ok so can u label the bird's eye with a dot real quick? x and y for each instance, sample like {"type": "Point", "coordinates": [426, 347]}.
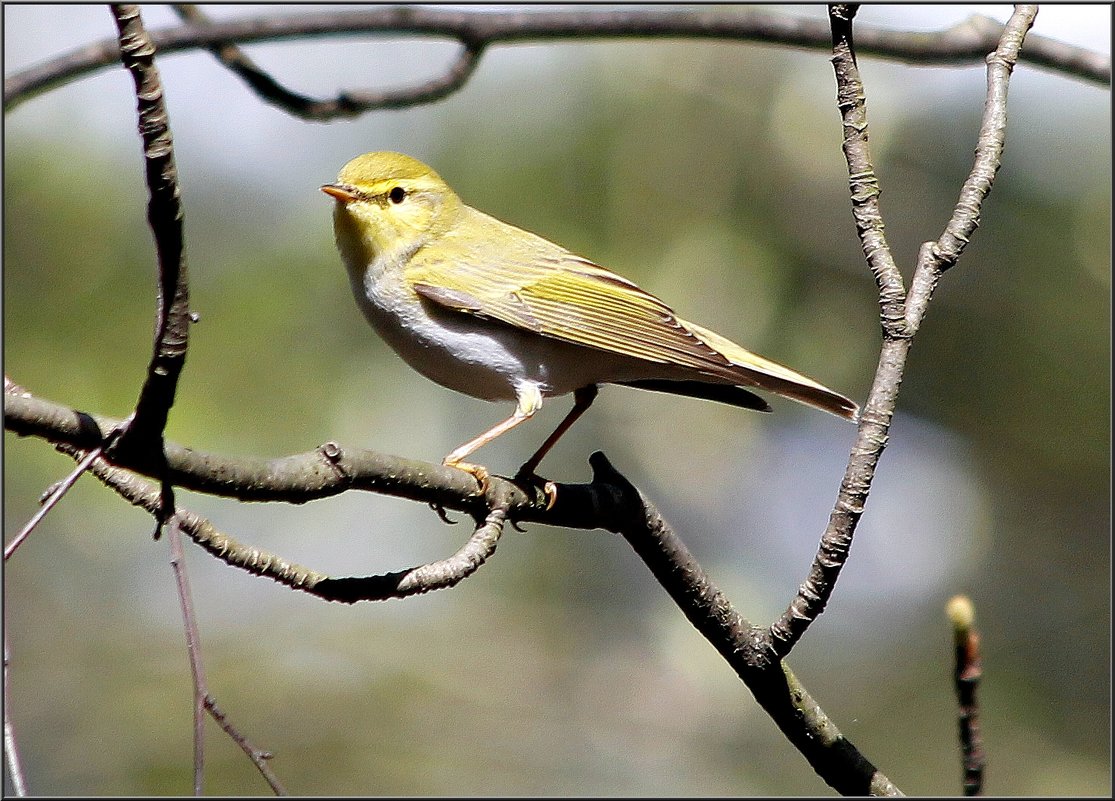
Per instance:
{"type": "Point", "coordinates": [397, 195]}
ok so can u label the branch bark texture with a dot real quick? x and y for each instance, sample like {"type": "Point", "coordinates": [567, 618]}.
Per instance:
{"type": "Point", "coordinates": [900, 315]}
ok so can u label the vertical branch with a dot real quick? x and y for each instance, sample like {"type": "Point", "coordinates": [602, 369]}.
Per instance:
{"type": "Point", "coordinates": [203, 700]}
{"type": "Point", "coordinates": [936, 257]}
{"type": "Point", "coordinates": [164, 214]}
{"type": "Point", "coordinates": [992, 136]}
{"type": "Point", "coordinates": [966, 676]}
{"type": "Point", "coordinates": [11, 751]}
{"type": "Point", "coordinates": [862, 179]}
{"type": "Point", "coordinates": [900, 315]}
{"type": "Point", "coordinates": [836, 542]}
{"type": "Point", "coordinates": [193, 648]}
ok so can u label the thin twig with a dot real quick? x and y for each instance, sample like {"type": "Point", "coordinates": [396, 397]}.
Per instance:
{"type": "Point", "coordinates": [992, 137]}
{"type": "Point", "coordinates": [958, 45]}
{"type": "Point", "coordinates": [966, 678]}
{"type": "Point", "coordinates": [60, 489]}
{"type": "Point", "coordinates": [12, 389]}
{"type": "Point", "coordinates": [11, 749]}
{"type": "Point", "coordinates": [193, 647]}
{"type": "Point", "coordinates": [203, 701]}
{"type": "Point", "coordinates": [260, 758]}
{"type": "Point", "coordinates": [936, 257]}
{"type": "Point", "coordinates": [437, 575]}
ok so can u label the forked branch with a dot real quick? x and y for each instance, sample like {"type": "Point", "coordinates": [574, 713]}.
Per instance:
{"type": "Point", "coordinates": [900, 315]}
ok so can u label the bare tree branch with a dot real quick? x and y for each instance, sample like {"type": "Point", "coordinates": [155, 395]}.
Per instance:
{"type": "Point", "coordinates": [259, 758]}
{"type": "Point", "coordinates": [11, 748]}
{"type": "Point", "coordinates": [959, 45]}
{"type": "Point", "coordinates": [899, 321]}
{"type": "Point", "coordinates": [203, 700]}
{"type": "Point", "coordinates": [754, 652]}
{"type": "Point", "coordinates": [744, 646]}
{"type": "Point", "coordinates": [615, 505]}
{"type": "Point", "coordinates": [193, 647]}
{"type": "Point", "coordinates": [346, 104]}
{"type": "Point", "coordinates": [144, 429]}
{"type": "Point", "coordinates": [327, 471]}
{"type": "Point", "coordinates": [438, 575]}
{"type": "Point", "coordinates": [55, 495]}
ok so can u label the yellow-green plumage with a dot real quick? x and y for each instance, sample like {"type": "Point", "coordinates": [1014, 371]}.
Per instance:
{"type": "Point", "coordinates": [497, 312]}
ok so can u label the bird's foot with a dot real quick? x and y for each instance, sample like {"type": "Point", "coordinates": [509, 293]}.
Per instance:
{"type": "Point", "coordinates": [528, 477]}
{"type": "Point", "coordinates": [481, 474]}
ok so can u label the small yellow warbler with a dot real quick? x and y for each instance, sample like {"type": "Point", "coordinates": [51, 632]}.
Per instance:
{"type": "Point", "coordinates": [498, 313]}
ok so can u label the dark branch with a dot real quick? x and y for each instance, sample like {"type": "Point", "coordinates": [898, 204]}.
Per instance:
{"type": "Point", "coordinates": [959, 45]}
{"type": "Point", "coordinates": [327, 471]}
{"type": "Point", "coordinates": [438, 575]}
{"type": "Point", "coordinates": [742, 645]}
{"type": "Point", "coordinates": [144, 429]}
{"type": "Point", "coordinates": [966, 677]}
{"type": "Point", "coordinates": [617, 506]}
{"type": "Point", "coordinates": [346, 104]}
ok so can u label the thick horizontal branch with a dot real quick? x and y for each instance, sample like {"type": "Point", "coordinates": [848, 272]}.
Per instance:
{"type": "Point", "coordinates": [329, 470]}
{"type": "Point", "coordinates": [963, 44]}
{"type": "Point", "coordinates": [609, 502]}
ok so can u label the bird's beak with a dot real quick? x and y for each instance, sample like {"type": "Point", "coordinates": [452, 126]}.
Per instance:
{"type": "Point", "coordinates": [342, 192]}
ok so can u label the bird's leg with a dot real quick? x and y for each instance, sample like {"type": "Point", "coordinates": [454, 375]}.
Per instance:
{"type": "Point", "coordinates": [582, 399]}
{"type": "Point", "coordinates": [530, 401]}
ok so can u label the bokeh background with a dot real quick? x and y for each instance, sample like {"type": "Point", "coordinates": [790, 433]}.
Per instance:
{"type": "Point", "coordinates": [709, 172]}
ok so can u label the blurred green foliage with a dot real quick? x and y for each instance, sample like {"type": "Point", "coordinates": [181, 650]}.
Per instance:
{"type": "Point", "coordinates": [708, 174]}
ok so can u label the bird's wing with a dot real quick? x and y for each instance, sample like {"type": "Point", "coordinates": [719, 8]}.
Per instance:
{"type": "Point", "coordinates": [536, 286]}
{"type": "Point", "coordinates": [568, 298]}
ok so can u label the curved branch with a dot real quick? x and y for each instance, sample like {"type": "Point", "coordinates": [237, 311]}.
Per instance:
{"type": "Point", "coordinates": [346, 104]}
{"type": "Point", "coordinates": [399, 584]}
{"type": "Point", "coordinates": [958, 45]}
{"type": "Point", "coordinates": [164, 214]}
